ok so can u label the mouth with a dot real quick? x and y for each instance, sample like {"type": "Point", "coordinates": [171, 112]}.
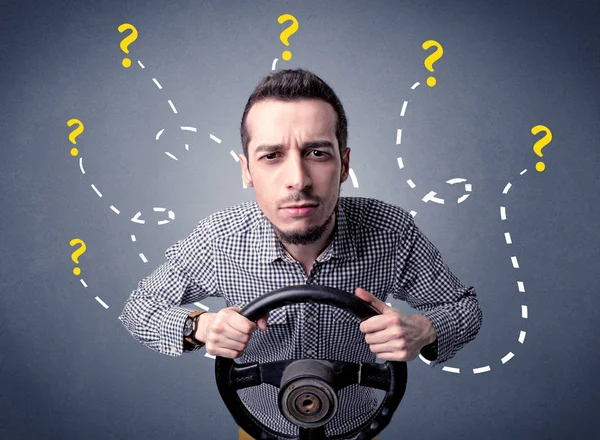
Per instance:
{"type": "Point", "coordinates": [299, 210]}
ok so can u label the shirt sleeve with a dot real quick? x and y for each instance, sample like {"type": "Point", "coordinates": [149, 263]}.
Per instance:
{"type": "Point", "coordinates": [426, 283]}
{"type": "Point", "coordinates": [153, 314]}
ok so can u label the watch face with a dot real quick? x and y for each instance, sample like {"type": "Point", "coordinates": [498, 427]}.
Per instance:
{"type": "Point", "coordinates": [188, 328]}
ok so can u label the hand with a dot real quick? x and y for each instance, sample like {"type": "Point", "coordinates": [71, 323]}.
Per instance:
{"type": "Point", "coordinates": [394, 336]}
{"type": "Point", "coordinates": [227, 332]}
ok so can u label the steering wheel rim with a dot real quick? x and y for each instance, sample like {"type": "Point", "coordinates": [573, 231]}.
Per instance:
{"type": "Point", "coordinates": [231, 376]}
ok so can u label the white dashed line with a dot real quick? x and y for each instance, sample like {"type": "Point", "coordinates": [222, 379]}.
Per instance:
{"type": "Point", "coordinates": [209, 356]}
{"type": "Point", "coordinates": [141, 65]}
{"type": "Point", "coordinates": [413, 213]}
{"type": "Point", "coordinates": [481, 370]}
{"type": "Point", "coordinates": [235, 156]}
{"type": "Point", "coordinates": [503, 213]}
{"type": "Point", "coordinates": [400, 163]}
{"type": "Point", "coordinates": [451, 370]}
{"type": "Point", "coordinates": [187, 147]}
{"type": "Point", "coordinates": [388, 304]}
{"type": "Point", "coordinates": [463, 198]}
{"type": "Point", "coordinates": [156, 209]}
{"type": "Point", "coordinates": [522, 337]}
{"type": "Point", "coordinates": [430, 197]}
{"type": "Point", "coordinates": [524, 311]}
{"type": "Point", "coordinates": [428, 362]}
{"type": "Point", "coordinates": [456, 180]}
{"type": "Point", "coordinates": [415, 85]}
{"type": "Point", "coordinates": [133, 238]}
{"type": "Point", "coordinates": [202, 306]}
{"type": "Point", "coordinates": [83, 282]}
{"type": "Point", "coordinates": [136, 218]}
{"type": "Point", "coordinates": [81, 165]}
{"type": "Point", "coordinates": [506, 188]}
{"type": "Point", "coordinates": [273, 64]}
{"type": "Point", "coordinates": [102, 302]}
{"type": "Point", "coordinates": [159, 133]}
{"type": "Point", "coordinates": [468, 187]}
{"type": "Point", "coordinates": [507, 358]}
{"type": "Point", "coordinates": [96, 189]}
{"type": "Point", "coordinates": [115, 209]}
{"type": "Point", "coordinates": [172, 106]}
{"type": "Point", "coordinates": [143, 257]}
{"type": "Point", "coordinates": [194, 129]}
{"type": "Point", "coordinates": [403, 108]}
{"type": "Point", "coordinates": [410, 183]}
{"type": "Point", "coordinates": [523, 172]}
{"type": "Point", "coordinates": [521, 286]}
{"type": "Point", "coordinates": [514, 261]}
{"type": "Point", "coordinates": [216, 139]}
{"type": "Point", "coordinates": [170, 155]}
{"type": "Point", "coordinates": [353, 177]}
{"type": "Point", "coordinates": [507, 238]}
{"type": "Point", "coordinates": [399, 136]}
{"type": "Point", "coordinates": [157, 83]}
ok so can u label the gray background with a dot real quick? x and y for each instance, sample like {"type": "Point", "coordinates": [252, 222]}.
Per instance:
{"type": "Point", "coordinates": [70, 370]}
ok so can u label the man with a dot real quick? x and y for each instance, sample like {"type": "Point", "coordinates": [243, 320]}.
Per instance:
{"type": "Point", "coordinates": [300, 231]}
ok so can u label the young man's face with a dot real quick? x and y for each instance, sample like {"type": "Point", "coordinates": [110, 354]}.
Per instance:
{"type": "Point", "coordinates": [294, 159]}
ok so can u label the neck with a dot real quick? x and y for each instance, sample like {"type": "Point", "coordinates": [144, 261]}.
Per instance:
{"type": "Point", "coordinates": [307, 254]}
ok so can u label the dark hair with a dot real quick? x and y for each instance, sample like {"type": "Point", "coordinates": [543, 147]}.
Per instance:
{"type": "Point", "coordinates": [295, 85]}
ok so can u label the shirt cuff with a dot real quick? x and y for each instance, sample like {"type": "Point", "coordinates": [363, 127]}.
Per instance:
{"type": "Point", "coordinates": [442, 348]}
{"type": "Point", "coordinates": [171, 332]}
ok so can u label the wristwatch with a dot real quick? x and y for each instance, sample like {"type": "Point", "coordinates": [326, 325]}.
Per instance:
{"type": "Point", "coordinates": [191, 326]}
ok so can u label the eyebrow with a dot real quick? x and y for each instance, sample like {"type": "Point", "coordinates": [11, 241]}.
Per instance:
{"type": "Point", "coordinates": [305, 146]}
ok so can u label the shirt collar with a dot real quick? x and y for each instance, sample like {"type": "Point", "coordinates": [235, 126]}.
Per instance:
{"type": "Point", "coordinates": [269, 248]}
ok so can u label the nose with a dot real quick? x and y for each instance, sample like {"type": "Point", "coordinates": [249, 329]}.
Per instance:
{"type": "Point", "coordinates": [296, 173]}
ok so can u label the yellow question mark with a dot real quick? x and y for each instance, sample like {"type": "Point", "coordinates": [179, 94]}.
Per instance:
{"type": "Point", "coordinates": [73, 135]}
{"type": "Point", "coordinates": [537, 148]}
{"type": "Point", "coordinates": [432, 58]}
{"type": "Point", "coordinates": [127, 41]}
{"type": "Point", "coordinates": [287, 33]}
{"type": "Point", "coordinates": [78, 253]}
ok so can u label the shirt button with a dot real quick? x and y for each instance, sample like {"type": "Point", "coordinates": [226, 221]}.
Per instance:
{"type": "Point", "coordinates": [309, 318]}
{"type": "Point", "coordinates": [309, 352]}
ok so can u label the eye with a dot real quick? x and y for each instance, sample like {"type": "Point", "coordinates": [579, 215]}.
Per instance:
{"type": "Point", "coordinates": [321, 153]}
{"type": "Point", "coordinates": [269, 156]}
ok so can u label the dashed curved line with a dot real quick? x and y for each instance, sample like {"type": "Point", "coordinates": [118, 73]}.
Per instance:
{"type": "Point", "coordinates": [96, 189]}
{"type": "Point", "coordinates": [83, 282]}
{"type": "Point", "coordinates": [194, 129]}
{"type": "Point", "coordinates": [481, 369]}
{"type": "Point", "coordinates": [141, 65]}
{"type": "Point", "coordinates": [133, 238]}
{"type": "Point", "coordinates": [411, 183]}
{"type": "Point", "coordinates": [507, 358]}
{"type": "Point", "coordinates": [115, 209]}
{"type": "Point", "coordinates": [234, 155]}
{"type": "Point", "coordinates": [506, 188]}
{"type": "Point", "coordinates": [216, 139]}
{"type": "Point", "coordinates": [172, 106]}
{"type": "Point", "coordinates": [170, 155]}
{"type": "Point", "coordinates": [157, 83]}
{"type": "Point", "coordinates": [400, 163]}
{"type": "Point", "coordinates": [403, 108]}
{"type": "Point", "coordinates": [399, 136]}
{"type": "Point", "coordinates": [159, 134]}
{"type": "Point", "coordinates": [353, 177]}
{"type": "Point", "coordinates": [81, 165]}
{"type": "Point", "coordinates": [451, 370]}
{"type": "Point", "coordinates": [102, 302]}
{"type": "Point", "coordinates": [273, 64]}
{"type": "Point", "coordinates": [415, 85]}
{"type": "Point", "coordinates": [143, 257]}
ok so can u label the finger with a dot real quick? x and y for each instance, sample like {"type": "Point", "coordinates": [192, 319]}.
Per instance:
{"type": "Point", "coordinates": [371, 299]}
{"type": "Point", "coordinates": [223, 352]}
{"type": "Point", "coordinates": [374, 324]}
{"type": "Point", "coordinates": [262, 322]}
{"type": "Point", "coordinates": [241, 323]}
{"type": "Point", "coordinates": [380, 337]}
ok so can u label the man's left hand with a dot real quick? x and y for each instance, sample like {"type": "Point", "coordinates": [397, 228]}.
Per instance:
{"type": "Point", "coordinates": [394, 336]}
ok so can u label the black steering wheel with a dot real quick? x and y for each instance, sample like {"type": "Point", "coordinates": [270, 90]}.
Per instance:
{"type": "Point", "coordinates": [308, 387]}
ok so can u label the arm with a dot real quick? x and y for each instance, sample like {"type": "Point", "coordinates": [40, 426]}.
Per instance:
{"type": "Point", "coordinates": [426, 283]}
{"type": "Point", "coordinates": [153, 313]}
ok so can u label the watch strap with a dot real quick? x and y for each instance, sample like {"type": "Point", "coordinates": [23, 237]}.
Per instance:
{"type": "Point", "coordinates": [196, 317]}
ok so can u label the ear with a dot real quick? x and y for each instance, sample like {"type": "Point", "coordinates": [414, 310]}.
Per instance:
{"type": "Point", "coordinates": [345, 165]}
{"type": "Point", "coordinates": [245, 171]}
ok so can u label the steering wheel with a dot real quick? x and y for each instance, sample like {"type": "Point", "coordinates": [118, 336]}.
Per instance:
{"type": "Point", "coordinates": [308, 388]}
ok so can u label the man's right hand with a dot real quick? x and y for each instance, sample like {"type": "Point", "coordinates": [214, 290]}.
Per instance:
{"type": "Point", "coordinates": [227, 332]}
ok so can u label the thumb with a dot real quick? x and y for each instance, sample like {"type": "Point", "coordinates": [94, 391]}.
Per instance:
{"type": "Point", "coordinates": [262, 322]}
{"type": "Point", "coordinates": [371, 299]}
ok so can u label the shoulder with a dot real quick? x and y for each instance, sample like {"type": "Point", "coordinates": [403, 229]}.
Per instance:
{"type": "Point", "coordinates": [370, 213]}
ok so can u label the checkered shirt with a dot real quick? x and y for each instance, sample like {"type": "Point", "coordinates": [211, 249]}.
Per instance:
{"type": "Point", "coordinates": [234, 254]}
